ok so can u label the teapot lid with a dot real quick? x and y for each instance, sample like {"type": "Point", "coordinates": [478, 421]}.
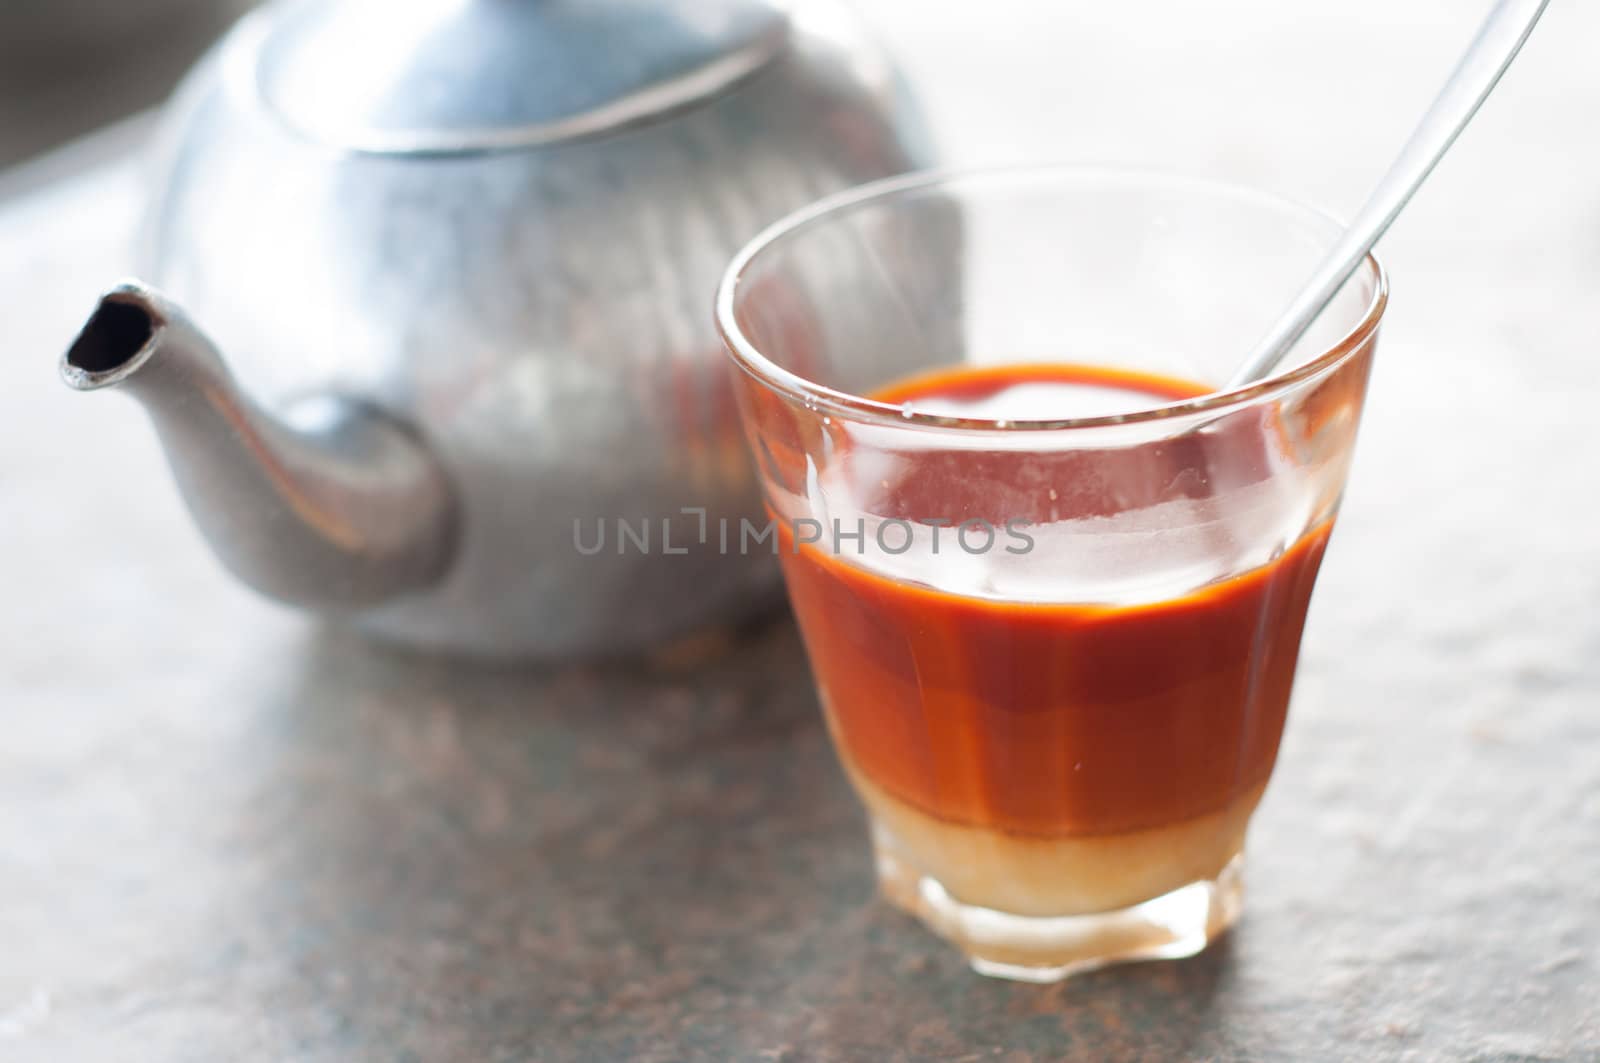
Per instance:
{"type": "Point", "coordinates": [450, 76]}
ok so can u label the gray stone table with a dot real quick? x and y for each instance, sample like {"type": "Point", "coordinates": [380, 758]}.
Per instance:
{"type": "Point", "coordinates": [229, 834]}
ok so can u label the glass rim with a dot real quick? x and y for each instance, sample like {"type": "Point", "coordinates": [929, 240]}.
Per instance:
{"type": "Point", "coordinates": [859, 407]}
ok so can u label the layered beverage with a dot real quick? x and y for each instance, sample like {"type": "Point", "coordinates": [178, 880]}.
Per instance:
{"type": "Point", "coordinates": [1051, 582]}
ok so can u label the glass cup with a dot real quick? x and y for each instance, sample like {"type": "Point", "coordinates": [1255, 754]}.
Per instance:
{"type": "Point", "coordinates": [1053, 641]}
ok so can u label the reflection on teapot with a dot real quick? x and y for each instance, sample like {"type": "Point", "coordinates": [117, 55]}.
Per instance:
{"type": "Point", "coordinates": [460, 256]}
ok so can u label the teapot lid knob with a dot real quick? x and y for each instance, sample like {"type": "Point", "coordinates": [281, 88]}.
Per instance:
{"type": "Point", "coordinates": [451, 76]}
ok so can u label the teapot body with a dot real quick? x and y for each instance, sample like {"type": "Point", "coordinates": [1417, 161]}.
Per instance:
{"type": "Point", "coordinates": [539, 315]}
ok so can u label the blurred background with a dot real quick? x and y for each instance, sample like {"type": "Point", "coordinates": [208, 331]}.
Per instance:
{"type": "Point", "coordinates": [1309, 100]}
{"type": "Point", "coordinates": [1248, 89]}
{"type": "Point", "coordinates": [70, 66]}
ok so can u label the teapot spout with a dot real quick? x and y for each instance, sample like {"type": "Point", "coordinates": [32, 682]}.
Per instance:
{"type": "Point", "coordinates": [332, 505]}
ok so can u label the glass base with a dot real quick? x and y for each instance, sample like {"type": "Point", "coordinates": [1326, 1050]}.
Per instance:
{"type": "Point", "coordinates": [1050, 948]}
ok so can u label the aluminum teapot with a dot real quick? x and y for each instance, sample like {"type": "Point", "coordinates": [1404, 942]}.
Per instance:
{"type": "Point", "coordinates": [460, 255]}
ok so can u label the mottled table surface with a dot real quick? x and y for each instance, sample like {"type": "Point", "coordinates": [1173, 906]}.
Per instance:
{"type": "Point", "coordinates": [228, 834]}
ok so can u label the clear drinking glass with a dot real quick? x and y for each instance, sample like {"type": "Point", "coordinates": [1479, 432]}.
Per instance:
{"type": "Point", "coordinates": [1054, 641]}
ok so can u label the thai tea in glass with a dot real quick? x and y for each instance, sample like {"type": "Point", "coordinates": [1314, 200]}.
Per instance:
{"type": "Point", "coordinates": [1051, 583]}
